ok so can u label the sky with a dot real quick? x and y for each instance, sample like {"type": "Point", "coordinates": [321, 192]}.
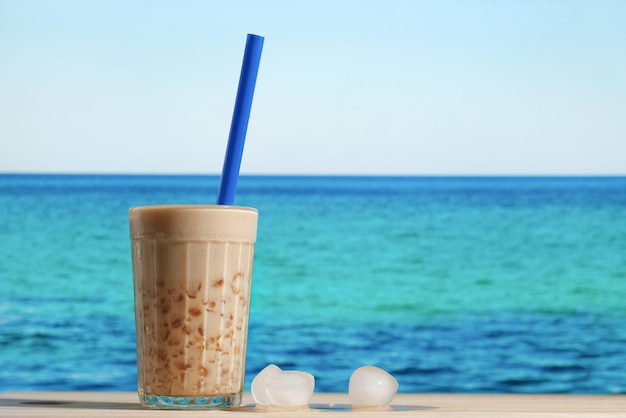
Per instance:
{"type": "Point", "coordinates": [446, 87]}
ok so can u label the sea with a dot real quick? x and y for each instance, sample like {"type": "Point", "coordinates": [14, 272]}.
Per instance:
{"type": "Point", "coordinates": [451, 284]}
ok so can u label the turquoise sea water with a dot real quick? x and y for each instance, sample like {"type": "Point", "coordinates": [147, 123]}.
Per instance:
{"type": "Point", "coordinates": [453, 284]}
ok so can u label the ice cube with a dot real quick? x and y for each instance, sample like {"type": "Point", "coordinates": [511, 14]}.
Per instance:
{"type": "Point", "coordinates": [259, 387]}
{"type": "Point", "coordinates": [371, 386]}
{"type": "Point", "coordinates": [290, 389]}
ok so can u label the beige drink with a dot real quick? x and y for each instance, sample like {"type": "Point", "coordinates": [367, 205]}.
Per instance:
{"type": "Point", "coordinates": [192, 269]}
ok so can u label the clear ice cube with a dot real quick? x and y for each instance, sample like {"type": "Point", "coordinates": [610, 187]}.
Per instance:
{"type": "Point", "coordinates": [371, 386]}
{"type": "Point", "coordinates": [259, 387]}
{"type": "Point", "coordinates": [290, 389]}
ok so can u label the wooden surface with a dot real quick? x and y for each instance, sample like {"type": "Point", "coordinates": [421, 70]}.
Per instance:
{"type": "Point", "coordinates": [325, 405]}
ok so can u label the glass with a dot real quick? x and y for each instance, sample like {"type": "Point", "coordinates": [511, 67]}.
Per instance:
{"type": "Point", "coordinates": [192, 270]}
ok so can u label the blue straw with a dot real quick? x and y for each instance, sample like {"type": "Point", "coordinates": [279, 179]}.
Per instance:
{"type": "Point", "coordinates": [241, 115]}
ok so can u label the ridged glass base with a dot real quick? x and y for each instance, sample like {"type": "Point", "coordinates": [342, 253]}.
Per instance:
{"type": "Point", "coordinates": [190, 402]}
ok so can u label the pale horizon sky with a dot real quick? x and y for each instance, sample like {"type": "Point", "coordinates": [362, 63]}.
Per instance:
{"type": "Point", "coordinates": [450, 87]}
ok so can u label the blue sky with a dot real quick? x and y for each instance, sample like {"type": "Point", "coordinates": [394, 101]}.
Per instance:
{"type": "Point", "coordinates": [345, 87]}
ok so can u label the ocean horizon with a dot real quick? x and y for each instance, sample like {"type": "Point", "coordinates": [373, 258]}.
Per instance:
{"type": "Point", "coordinates": [491, 284]}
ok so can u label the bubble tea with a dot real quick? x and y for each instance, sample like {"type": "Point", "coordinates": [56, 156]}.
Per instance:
{"type": "Point", "coordinates": [192, 269]}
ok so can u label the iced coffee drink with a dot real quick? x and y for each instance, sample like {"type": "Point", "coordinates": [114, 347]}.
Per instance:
{"type": "Point", "coordinates": [192, 269]}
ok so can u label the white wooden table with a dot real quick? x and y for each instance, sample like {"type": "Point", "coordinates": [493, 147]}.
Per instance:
{"type": "Point", "coordinates": [116, 404]}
